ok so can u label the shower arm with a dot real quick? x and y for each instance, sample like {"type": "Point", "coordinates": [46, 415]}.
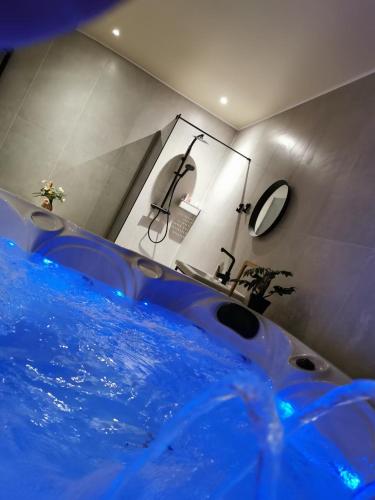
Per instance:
{"type": "Point", "coordinates": [206, 134]}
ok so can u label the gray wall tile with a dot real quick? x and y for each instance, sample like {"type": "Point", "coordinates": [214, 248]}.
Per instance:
{"type": "Point", "coordinates": [27, 157]}
{"type": "Point", "coordinates": [327, 238]}
{"type": "Point", "coordinates": [15, 82]}
{"type": "Point", "coordinates": [68, 111]}
{"type": "Point", "coordinates": [64, 83]}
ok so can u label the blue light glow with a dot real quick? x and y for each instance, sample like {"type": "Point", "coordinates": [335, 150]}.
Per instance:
{"type": "Point", "coordinates": [100, 354]}
{"type": "Point", "coordinates": [285, 408]}
{"type": "Point", "coordinates": [350, 479]}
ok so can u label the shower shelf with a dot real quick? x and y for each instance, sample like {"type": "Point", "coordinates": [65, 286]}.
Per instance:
{"type": "Point", "coordinates": [189, 208]}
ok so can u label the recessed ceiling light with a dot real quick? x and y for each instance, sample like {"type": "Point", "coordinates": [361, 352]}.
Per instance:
{"type": "Point", "coordinates": [116, 32]}
{"type": "Point", "coordinates": [224, 100]}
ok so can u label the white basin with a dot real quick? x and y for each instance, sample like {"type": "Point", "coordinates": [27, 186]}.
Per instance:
{"type": "Point", "coordinates": [208, 280]}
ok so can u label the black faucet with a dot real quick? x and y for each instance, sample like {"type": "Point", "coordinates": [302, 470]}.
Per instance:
{"type": "Point", "coordinates": [225, 277]}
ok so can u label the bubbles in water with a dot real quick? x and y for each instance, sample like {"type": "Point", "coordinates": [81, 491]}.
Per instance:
{"type": "Point", "coordinates": [88, 382]}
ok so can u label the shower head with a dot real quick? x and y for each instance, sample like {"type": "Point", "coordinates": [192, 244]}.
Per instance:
{"type": "Point", "coordinates": [189, 167]}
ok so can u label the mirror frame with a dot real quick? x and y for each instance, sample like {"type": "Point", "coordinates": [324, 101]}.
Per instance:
{"type": "Point", "coordinates": [259, 205]}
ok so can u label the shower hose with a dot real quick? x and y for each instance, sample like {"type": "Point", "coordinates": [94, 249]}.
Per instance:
{"type": "Point", "coordinates": [168, 213]}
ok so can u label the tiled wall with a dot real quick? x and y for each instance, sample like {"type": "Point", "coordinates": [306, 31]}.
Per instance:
{"type": "Point", "coordinates": [67, 110]}
{"type": "Point", "coordinates": [325, 149]}
{"type": "Point", "coordinates": [68, 107]}
{"type": "Point", "coordinates": [207, 158]}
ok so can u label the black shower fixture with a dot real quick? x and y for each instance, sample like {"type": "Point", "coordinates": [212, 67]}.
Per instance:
{"type": "Point", "coordinates": [245, 209]}
{"type": "Point", "coordinates": [178, 175]}
{"type": "Point", "coordinates": [165, 205]}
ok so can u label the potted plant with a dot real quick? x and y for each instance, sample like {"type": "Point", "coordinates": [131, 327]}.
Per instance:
{"type": "Point", "coordinates": [49, 193]}
{"type": "Point", "coordinates": [259, 286]}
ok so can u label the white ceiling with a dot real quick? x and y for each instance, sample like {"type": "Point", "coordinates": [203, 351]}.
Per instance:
{"type": "Point", "coordinates": [264, 55]}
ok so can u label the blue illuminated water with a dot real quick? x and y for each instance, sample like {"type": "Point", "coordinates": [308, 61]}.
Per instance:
{"type": "Point", "coordinates": [88, 379]}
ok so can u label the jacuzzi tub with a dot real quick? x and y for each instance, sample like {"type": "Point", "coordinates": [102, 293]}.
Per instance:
{"type": "Point", "coordinates": [295, 382]}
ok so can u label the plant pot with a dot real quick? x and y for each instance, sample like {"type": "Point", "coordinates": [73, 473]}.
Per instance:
{"type": "Point", "coordinates": [47, 204]}
{"type": "Point", "coordinates": [258, 303]}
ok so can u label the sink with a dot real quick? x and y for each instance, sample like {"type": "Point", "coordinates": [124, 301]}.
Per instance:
{"type": "Point", "coordinates": [208, 280]}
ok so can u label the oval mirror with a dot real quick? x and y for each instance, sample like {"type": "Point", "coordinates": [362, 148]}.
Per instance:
{"type": "Point", "coordinates": [269, 208]}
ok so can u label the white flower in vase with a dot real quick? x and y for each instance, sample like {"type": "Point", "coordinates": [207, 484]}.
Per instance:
{"type": "Point", "coordinates": [50, 193]}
